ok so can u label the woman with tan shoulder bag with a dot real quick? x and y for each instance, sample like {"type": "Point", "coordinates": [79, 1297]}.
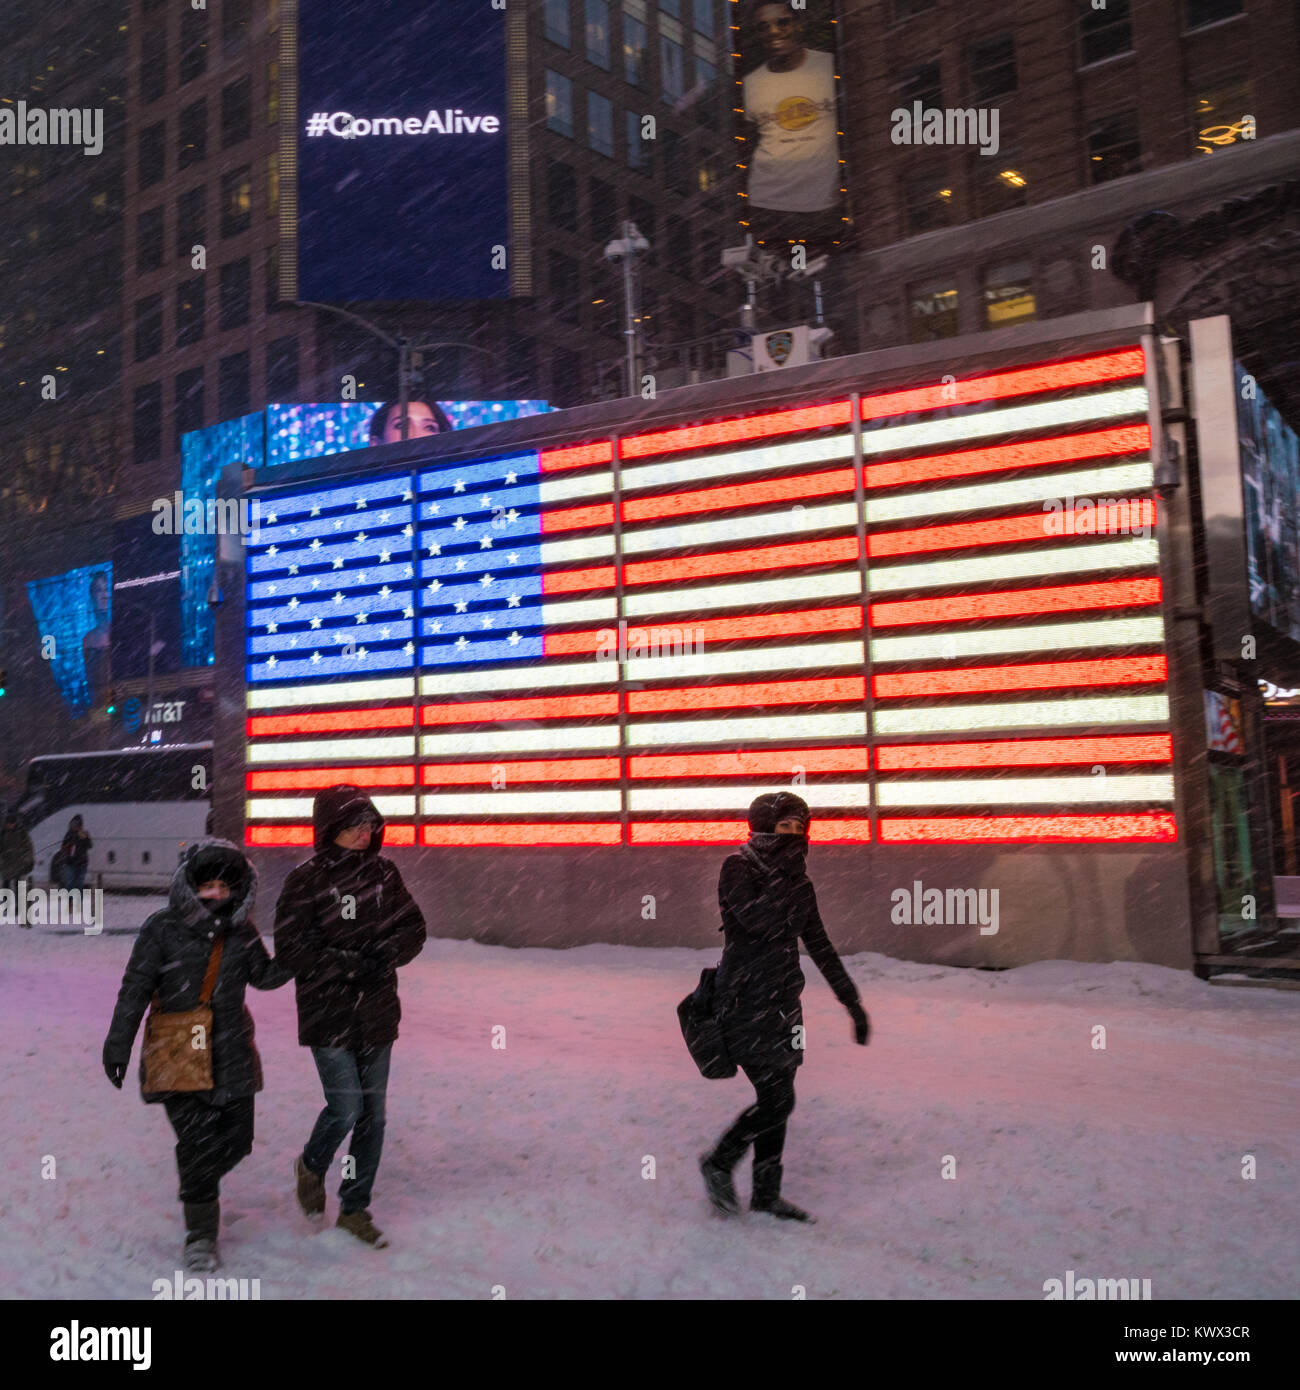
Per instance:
{"type": "Point", "coordinates": [189, 968]}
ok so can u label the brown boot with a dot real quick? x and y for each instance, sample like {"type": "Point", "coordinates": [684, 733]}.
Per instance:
{"type": "Point", "coordinates": [361, 1226]}
{"type": "Point", "coordinates": [311, 1189]}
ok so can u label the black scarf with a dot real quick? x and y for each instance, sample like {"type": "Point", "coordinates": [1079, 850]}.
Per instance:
{"type": "Point", "coordinates": [777, 856]}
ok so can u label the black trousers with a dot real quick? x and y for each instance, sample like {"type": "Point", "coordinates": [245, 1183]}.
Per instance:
{"type": "Point", "coordinates": [210, 1141]}
{"type": "Point", "coordinates": [763, 1123]}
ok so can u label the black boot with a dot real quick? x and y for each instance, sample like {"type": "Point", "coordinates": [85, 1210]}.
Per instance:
{"type": "Point", "coordinates": [201, 1222]}
{"type": "Point", "coordinates": [717, 1182]}
{"type": "Point", "coordinates": [767, 1193]}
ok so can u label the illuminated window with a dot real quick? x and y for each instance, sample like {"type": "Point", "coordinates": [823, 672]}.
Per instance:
{"type": "Point", "coordinates": [600, 124]}
{"type": "Point", "coordinates": [992, 66]}
{"type": "Point", "coordinates": [1219, 115]}
{"type": "Point", "coordinates": [1103, 33]}
{"type": "Point", "coordinates": [236, 201]}
{"type": "Point", "coordinates": [559, 103]}
{"type": "Point", "coordinates": [598, 33]}
{"type": "Point", "coordinates": [1009, 294]}
{"type": "Point", "coordinates": [556, 23]}
{"type": "Point", "coordinates": [931, 310]}
{"type": "Point", "coordinates": [1113, 148]}
{"type": "Point", "coordinates": [999, 181]}
{"type": "Point", "coordinates": [272, 185]}
{"type": "Point", "coordinates": [1201, 12]}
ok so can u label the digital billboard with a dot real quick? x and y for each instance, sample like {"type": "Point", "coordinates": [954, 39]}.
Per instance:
{"type": "Point", "coordinates": [146, 598]}
{"type": "Point", "coordinates": [73, 612]}
{"type": "Point", "coordinates": [401, 151]}
{"type": "Point", "coordinates": [938, 644]}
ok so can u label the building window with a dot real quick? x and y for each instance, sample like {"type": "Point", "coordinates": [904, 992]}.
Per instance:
{"type": "Point", "coordinates": [992, 68]}
{"type": "Point", "coordinates": [189, 312]}
{"type": "Point", "coordinates": [672, 69]}
{"type": "Point", "coordinates": [641, 213]}
{"type": "Point", "coordinates": [1201, 12]}
{"type": "Point", "coordinates": [638, 148]}
{"type": "Point", "coordinates": [147, 422]}
{"type": "Point", "coordinates": [566, 288]}
{"type": "Point", "coordinates": [921, 83]}
{"type": "Point", "coordinates": [232, 386]}
{"type": "Point", "coordinates": [1104, 33]}
{"type": "Point", "coordinates": [193, 143]}
{"type": "Point", "coordinates": [1113, 148]}
{"type": "Point", "coordinates": [559, 103]}
{"type": "Point", "coordinates": [149, 244]}
{"type": "Point", "coordinates": [927, 200]}
{"type": "Point", "coordinates": [1218, 115]}
{"type": "Point", "coordinates": [1009, 294]}
{"type": "Point", "coordinates": [236, 20]}
{"type": "Point", "coordinates": [604, 209]}
{"type": "Point", "coordinates": [235, 293]}
{"type": "Point", "coordinates": [272, 92]}
{"type": "Point", "coordinates": [148, 327]}
{"type": "Point", "coordinates": [282, 369]}
{"type": "Point", "coordinates": [562, 196]}
{"type": "Point", "coordinates": [190, 222]}
{"type": "Point", "coordinates": [236, 112]}
{"type": "Point", "coordinates": [566, 377]}
{"type": "Point", "coordinates": [634, 51]}
{"type": "Point", "coordinates": [600, 124]}
{"type": "Point", "coordinates": [236, 201]}
{"type": "Point", "coordinates": [999, 182]}
{"type": "Point", "coordinates": [194, 44]}
{"type": "Point", "coordinates": [677, 174]}
{"type": "Point", "coordinates": [272, 185]}
{"type": "Point", "coordinates": [189, 401]}
{"type": "Point", "coordinates": [153, 64]}
{"type": "Point", "coordinates": [703, 16]}
{"type": "Point", "coordinates": [679, 247]}
{"type": "Point", "coordinates": [272, 278]}
{"type": "Point", "coordinates": [672, 8]}
{"type": "Point", "coordinates": [557, 22]}
{"type": "Point", "coordinates": [931, 310]}
{"type": "Point", "coordinates": [598, 33]}
{"type": "Point", "coordinates": [152, 155]}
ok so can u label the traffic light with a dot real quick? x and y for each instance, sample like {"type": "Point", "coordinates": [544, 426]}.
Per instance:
{"type": "Point", "coordinates": [112, 702]}
{"type": "Point", "coordinates": [4, 682]}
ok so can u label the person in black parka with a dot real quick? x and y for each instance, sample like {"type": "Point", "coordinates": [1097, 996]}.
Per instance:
{"type": "Point", "coordinates": [343, 925]}
{"type": "Point", "coordinates": [212, 893]}
{"type": "Point", "coordinates": [768, 903]}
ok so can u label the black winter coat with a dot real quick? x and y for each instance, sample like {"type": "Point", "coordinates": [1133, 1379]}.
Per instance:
{"type": "Point", "coordinates": [767, 904]}
{"type": "Point", "coordinates": [343, 925]}
{"type": "Point", "coordinates": [170, 957]}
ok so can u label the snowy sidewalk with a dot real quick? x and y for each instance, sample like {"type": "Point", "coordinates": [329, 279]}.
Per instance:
{"type": "Point", "coordinates": [523, 1167]}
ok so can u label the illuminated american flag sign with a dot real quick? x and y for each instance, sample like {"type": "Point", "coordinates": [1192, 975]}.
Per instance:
{"type": "Point", "coordinates": [936, 612]}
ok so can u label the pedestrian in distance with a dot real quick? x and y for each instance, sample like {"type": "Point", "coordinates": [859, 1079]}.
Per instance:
{"type": "Point", "coordinates": [16, 854]}
{"type": "Point", "coordinates": [75, 849]}
{"type": "Point", "coordinates": [194, 959]}
{"type": "Point", "coordinates": [768, 904]}
{"type": "Point", "coordinates": [343, 925]}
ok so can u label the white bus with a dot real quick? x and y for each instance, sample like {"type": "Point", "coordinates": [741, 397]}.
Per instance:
{"type": "Point", "coordinates": [140, 806]}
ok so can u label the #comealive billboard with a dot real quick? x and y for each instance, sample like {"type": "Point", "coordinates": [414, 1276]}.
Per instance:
{"type": "Point", "coordinates": [402, 150]}
{"type": "Point", "coordinates": [502, 658]}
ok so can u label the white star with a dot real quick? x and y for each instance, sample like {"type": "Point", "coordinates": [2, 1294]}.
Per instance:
{"type": "Point", "coordinates": [461, 644]}
{"type": "Point", "coordinates": [361, 576]}
{"type": "Point", "coordinates": [315, 658]}
{"type": "Point", "coordinates": [315, 583]}
{"type": "Point", "coordinates": [459, 523]}
{"type": "Point", "coordinates": [513, 557]}
{"type": "Point", "coordinates": [460, 485]}
{"type": "Point", "coordinates": [487, 622]}
{"type": "Point", "coordinates": [435, 548]}
{"type": "Point", "coordinates": [433, 508]}
{"type": "Point", "coordinates": [315, 545]}
{"type": "Point", "coordinates": [436, 625]}
{"type": "Point", "coordinates": [383, 517]}
{"type": "Point", "coordinates": [272, 550]}
{"type": "Point", "coordinates": [512, 515]}
{"type": "Point", "coordinates": [362, 538]}
{"type": "Point", "coordinates": [315, 622]}
{"type": "Point", "coordinates": [272, 518]}
{"type": "Point", "coordinates": [271, 661]}
{"type": "Point", "coordinates": [384, 556]}
{"type": "Point", "coordinates": [338, 562]}
{"type": "Point", "coordinates": [514, 639]}
{"type": "Point", "coordinates": [408, 495]}
{"type": "Point", "coordinates": [409, 648]}
{"type": "Point", "coordinates": [315, 511]}
{"type": "Point", "coordinates": [486, 580]}
{"type": "Point", "coordinates": [361, 653]}
{"type": "Point", "coordinates": [293, 603]}
{"type": "Point", "coordinates": [338, 523]}
{"type": "Point", "coordinates": [462, 606]}
{"type": "Point", "coordinates": [408, 530]}
{"type": "Point", "coordinates": [293, 641]}
{"type": "Point", "coordinates": [511, 477]}
{"type": "Point", "coordinates": [487, 504]}
{"type": "Point", "coordinates": [384, 633]}
{"type": "Point", "coordinates": [460, 564]}
{"type": "Point", "coordinates": [513, 601]}
{"type": "Point", "coordinates": [338, 598]}
{"type": "Point", "coordinates": [293, 530]}
{"type": "Point", "coordinates": [293, 569]}
{"type": "Point", "coordinates": [385, 591]}
{"type": "Point", "coordinates": [273, 627]}
{"type": "Point", "coordinates": [361, 502]}
{"type": "Point", "coordinates": [362, 617]}
{"type": "Point", "coordinates": [272, 588]}
{"type": "Point", "coordinates": [408, 612]}
{"type": "Point", "coordinates": [435, 585]}
{"type": "Point", "coordinates": [409, 573]}
{"type": "Point", "coordinates": [485, 543]}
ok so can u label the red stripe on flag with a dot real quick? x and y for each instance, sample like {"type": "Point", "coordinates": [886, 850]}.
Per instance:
{"type": "Point", "coordinates": [308, 778]}
{"type": "Point", "coordinates": [1007, 530]}
{"type": "Point", "coordinates": [577, 518]}
{"type": "Point", "coordinates": [1009, 603]}
{"type": "Point", "coordinates": [1142, 828]}
{"type": "Point", "coordinates": [336, 721]}
{"type": "Point", "coordinates": [575, 456]}
{"type": "Point", "coordinates": [543, 707]}
{"type": "Point", "coordinates": [1045, 675]}
{"type": "Point", "coordinates": [710, 630]}
{"type": "Point", "coordinates": [711, 499]}
{"type": "Point", "coordinates": [1023, 381]}
{"type": "Point", "coordinates": [750, 561]}
{"type": "Point", "coordinates": [714, 832]}
{"type": "Point", "coordinates": [758, 693]}
{"type": "Point", "coordinates": [533, 770]}
{"type": "Point", "coordinates": [267, 835]}
{"type": "Point", "coordinates": [1034, 453]}
{"type": "Point", "coordinates": [1035, 752]}
{"type": "Point", "coordinates": [737, 431]}
{"type": "Point", "coordinates": [577, 581]}
{"type": "Point", "coordinates": [463, 835]}
{"type": "Point", "coordinates": [758, 763]}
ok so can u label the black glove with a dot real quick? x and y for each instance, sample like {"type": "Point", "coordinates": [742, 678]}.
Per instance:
{"type": "Point", "coordinates": [114, 1070]}
{"type": "Point", "coordinates": [373, 968]}
{"type": "Point", "coordinates": [861, 1023]}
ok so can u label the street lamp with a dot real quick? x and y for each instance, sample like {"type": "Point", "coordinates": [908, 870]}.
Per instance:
{"type": "Point", "coordinates": [628, 248]}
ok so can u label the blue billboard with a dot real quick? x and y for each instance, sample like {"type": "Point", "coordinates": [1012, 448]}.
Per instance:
{"type": "Point", "coordinates": [401, 149]}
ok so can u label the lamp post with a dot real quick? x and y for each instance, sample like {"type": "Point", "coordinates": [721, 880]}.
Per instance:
{"type": "Point", "coordinates": [629, 248]}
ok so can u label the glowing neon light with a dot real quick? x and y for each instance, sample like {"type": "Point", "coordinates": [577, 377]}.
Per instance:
{"type": "Point", "coordinates": [768, 493]}
{"type": "Point", "coordinates": [299, 808]}
{"type": "Point", "coordinates": [720, 797]}
{"type": "Point", "coordinates": [797, 421]}
{"type": "Point", "coordinates": [506, 803]}
{"type": "Point", "coordinates": [314, 778]}
{"type": "Point", "coordinates": [518, 741]}
{"type": "Point", "coordinates": [345, 693]}
{"type": "Point", "coordinates": [1035, 752]}
{"type": "Point", "coordinates": [578, 581]}
{"type": "Point", "coordinates": [532, 770]}
{"type": "Point", "coordinates": [1024, 714]}
{"type": "Point", "coordinates": [1116, 479]}
{"type": "Point", "coordinates": [746, 763]}
{"type": "Point", "coordinates": [736, 696]}
{"type": "Point", "coordinates": [575, 456]}
{"type": "Point", "coordinates": [1154, 828]}
{"type": "Point", "coordinates": [577, 518]}
{"type": "Point", "coordinates": [268, 835]}
{"type": "Point", "coordinates": [335, 722]}
{"type": "Point", "coordinates": [750, 626]}
{"type": "Point", "coordinates": [318, 749]}
{"type": "Point", "coordinates": [1007, 530]}
{"type": "Point", "coordinates": [543, 707]}
{"type": "Point", "coordinates": [470, 835]}
{"type": "Point", "coordinates": [721, 832]}
{"type": "Point", "coordinates": [1021, 791]}
{"type": "Point", "coordinates": [740, 528]}
{"type": "Point", "coordinates": [1070, 558]}
{"type": "Point", "coordinates": [1045, 675]}
{"type": "Point", "coordinates": [683, 567]}
{"type": "Point", "coordinates": [849, 724]}
{"type": "Point", "coordinates": [1104, 632]}
{"type": "Point", "coordinates": [687, 472]}
{"type": "Point", "coordinates": [793, 588]}
{"type": "Point", "coordinates": [822, 656]}
{"type": "Point", "coordinates": [1067, 598]}
{"type": "Point", "coordinates": [521, 677]}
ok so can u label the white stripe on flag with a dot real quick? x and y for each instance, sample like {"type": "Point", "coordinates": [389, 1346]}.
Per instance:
{"type": "Point", "coordinates": [727, 798]}
{"type": "Point", "coordinates": [507, 803]}
{"type": "Point", "coordinates": [1024, 714]}
{"type": "Point", "coordinates": [748, 659]}
{"type": "Point", "coordinates": [345, 693]}
{"type": "Point", "coordinates": [742, 527]}
{"type": "Point", "coordinates": [1025, 791]}
{"type": "Point", "coordinates": [1104, 632]}
{"type": "Point", "coordinates": [331, 750]}
{"type": "Point", "coordinates": [758, 595]}
{"type": "Point", "coordinates": [521, 740]}
{"type": "Point", "coordinates": [521, 677]}
{"type": "Point", "coordinates": [849, 724]}
{"type": "Point", "coordinates": [1068, 556]}
{"type": "Point", "coordinates": [300, 808]}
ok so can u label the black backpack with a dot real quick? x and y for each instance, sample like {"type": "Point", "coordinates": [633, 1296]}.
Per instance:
{"type": "Point", "coordinates": [703, 1031]}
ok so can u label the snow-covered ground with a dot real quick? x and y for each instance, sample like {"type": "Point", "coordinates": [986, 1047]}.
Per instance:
{"type": "Point", "coordinates": [523, 1167]}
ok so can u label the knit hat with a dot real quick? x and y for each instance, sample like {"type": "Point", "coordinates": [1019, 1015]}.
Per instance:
{"type": "Point", "coordinates": [766, 811]}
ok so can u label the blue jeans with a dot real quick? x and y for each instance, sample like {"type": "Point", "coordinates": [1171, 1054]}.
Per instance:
{"type": "Point", "coordinates": [74, 876]}
{"type": "Point", "coordinates": [356, 1086]}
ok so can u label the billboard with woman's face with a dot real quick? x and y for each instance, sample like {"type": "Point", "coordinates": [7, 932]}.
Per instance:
{"type": "Point", "coordinates": [788, 89]}
{"type": "Point", "coordinates": [73, 613]}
